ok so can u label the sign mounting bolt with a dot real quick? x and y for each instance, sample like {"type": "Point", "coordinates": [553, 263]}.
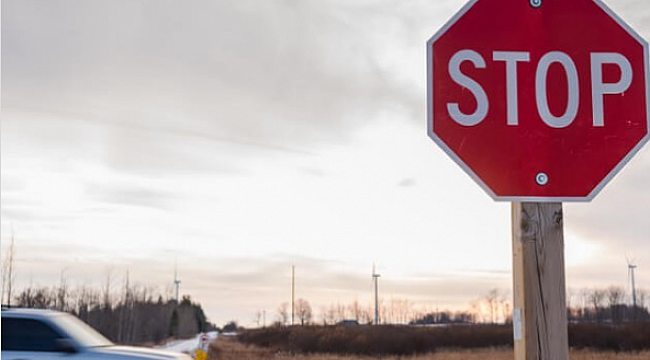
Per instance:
{"type": "Point", "coordinates": [536, 3]}
{"type": "Point", "coordinates": [541, 179]}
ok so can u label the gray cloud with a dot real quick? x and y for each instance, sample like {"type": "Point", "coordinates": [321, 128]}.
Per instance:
{"type": "Point", "coordinates": [128, 195]}
{"type": "Point", "coordinates": [407, 182]}
{"type": "Point", "coordinates": [263, 70]}
{"type": "Point", "coordinates": [156, 87]}
{"type": "Point", "coordinates": [33, 215]}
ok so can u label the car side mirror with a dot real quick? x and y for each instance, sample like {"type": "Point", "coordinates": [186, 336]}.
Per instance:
{"type": "Point", "coordinates": [65, 346]}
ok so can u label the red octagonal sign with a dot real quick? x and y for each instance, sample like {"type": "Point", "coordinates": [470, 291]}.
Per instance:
{"type": "Point", "coordinates": [538, 100]}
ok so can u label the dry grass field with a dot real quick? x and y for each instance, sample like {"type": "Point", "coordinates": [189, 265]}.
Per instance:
{"type": "Point", "coordinates": [229, 349]}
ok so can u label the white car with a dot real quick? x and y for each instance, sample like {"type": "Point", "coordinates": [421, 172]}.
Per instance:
{"type": "Point", "coordinates": [30, 334]}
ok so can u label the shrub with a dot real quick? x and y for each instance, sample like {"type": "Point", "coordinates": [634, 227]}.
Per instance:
{"type": "Point", "coordinates": [412, 340]}
{"type": "Point", "coordinates": [616, 337]}
{"type": "Point", "coordinates": [378, 340]}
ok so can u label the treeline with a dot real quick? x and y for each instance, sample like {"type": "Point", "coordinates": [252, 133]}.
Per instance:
{"type": "Point", "coordinates": [393, 311]}
{"type": "Point", "coordinates": [607, 314]}
{"type": "Point", "coordinates": [445, 317]}
{"type": "Point", "coordinates": [594, 305]}
{"type": "Point", "coordinates": [607, 305]}
{"type": "Point", "coordinates": [136, 316]}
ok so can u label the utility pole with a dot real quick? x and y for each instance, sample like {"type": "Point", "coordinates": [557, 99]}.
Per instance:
{"type": "Point", "coordinates": [375, 280]}
{"type": "Point", "coordinates": [293, 293]}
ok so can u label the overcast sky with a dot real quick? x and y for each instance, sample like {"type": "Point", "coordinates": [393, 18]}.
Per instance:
{"type": "Point", "coordinates": [234, 138]}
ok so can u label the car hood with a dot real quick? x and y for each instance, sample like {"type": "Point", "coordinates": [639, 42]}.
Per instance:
{"type": "Point", "coordinates": [130, 352]}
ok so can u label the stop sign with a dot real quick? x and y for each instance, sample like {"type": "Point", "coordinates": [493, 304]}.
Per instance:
{"type": "Point", "coordinates": [538, 101]}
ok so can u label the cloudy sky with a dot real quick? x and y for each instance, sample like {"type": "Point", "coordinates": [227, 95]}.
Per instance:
{"type": "Point", "coordinates": [231, 139]}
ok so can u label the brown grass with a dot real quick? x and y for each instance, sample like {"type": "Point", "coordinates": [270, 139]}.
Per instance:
{"type": "Point", "coordinates": [230, 349]}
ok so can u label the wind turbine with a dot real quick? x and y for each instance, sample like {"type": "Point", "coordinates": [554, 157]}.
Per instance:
{"type": "Point", "coordinates": [177, 283]}
{"type": "Point", "coordinates": [631, 268]}
{"type": "Point", "coordinates": [293, 293]}
{"type": "Point", "coordinates": [375, 282]}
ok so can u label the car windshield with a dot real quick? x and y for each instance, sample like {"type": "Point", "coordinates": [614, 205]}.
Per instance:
{"type": "Point", "coordinates": [80, 331]}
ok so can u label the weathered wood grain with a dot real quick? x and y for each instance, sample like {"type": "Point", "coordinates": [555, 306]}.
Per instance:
{"type": "Point", "coordinates": [539, 281]}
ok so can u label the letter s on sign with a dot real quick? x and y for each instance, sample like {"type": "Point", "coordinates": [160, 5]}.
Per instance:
{"type": "Point", "coordinates": [474, 87]}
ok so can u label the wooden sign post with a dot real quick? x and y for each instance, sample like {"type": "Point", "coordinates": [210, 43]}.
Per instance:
{"type": "Point", "coordinates": [539, 317]}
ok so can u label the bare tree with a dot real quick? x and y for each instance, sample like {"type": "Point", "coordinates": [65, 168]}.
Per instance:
{"type": "Point", "coordinates": [400, 311]}
{"type": "Point", "coordinates": [257, 318]}
{"type": "Point", "coordinates": [355, 310]}
{"type": "Point", "coordinates": [86, 299]}
{"type": "Point", "coordinates": [328, 314]}
{"type": "Point", "coordinates": [62, 293]}
{"type": "Point", "coordinates": [477, 310]}
{"type": "Point", "coordinates": [584, 302]}
{"type": "Point", "coordinates": [283, 313]}
{"type": "Point", "coordinates": [491, 308]}
{"type": "Point", "coordinates": [341, 313]}
{"type": "Point", "coordinates": [615, 295]}
{"type": "Point", "coordinates": [642, 296]}
{"type": "Point", "coordinates": [572, 310]}
{"type": "Point", "coordinates": [8, 274]}
{"type": "Point", "coordinates": [36, 298]}
{"type": "Point", "coordinates": [124, 332]}
{"type": "Point", "coordinates": [596, 298]}
{"type": "Point", "coordinates": [106, 294]}
{"type": "Point", "coordinates": [506, 310]}
{"type": "Point", "coordinates": [492, 301]}
{"type": "Point", "coordinates": [366, 315]}
{"type": "Point", "coordinates": [303, 311]}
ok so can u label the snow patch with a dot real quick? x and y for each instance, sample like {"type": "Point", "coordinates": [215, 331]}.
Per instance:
{"type": "Point", "coordinates": [187, 346]}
